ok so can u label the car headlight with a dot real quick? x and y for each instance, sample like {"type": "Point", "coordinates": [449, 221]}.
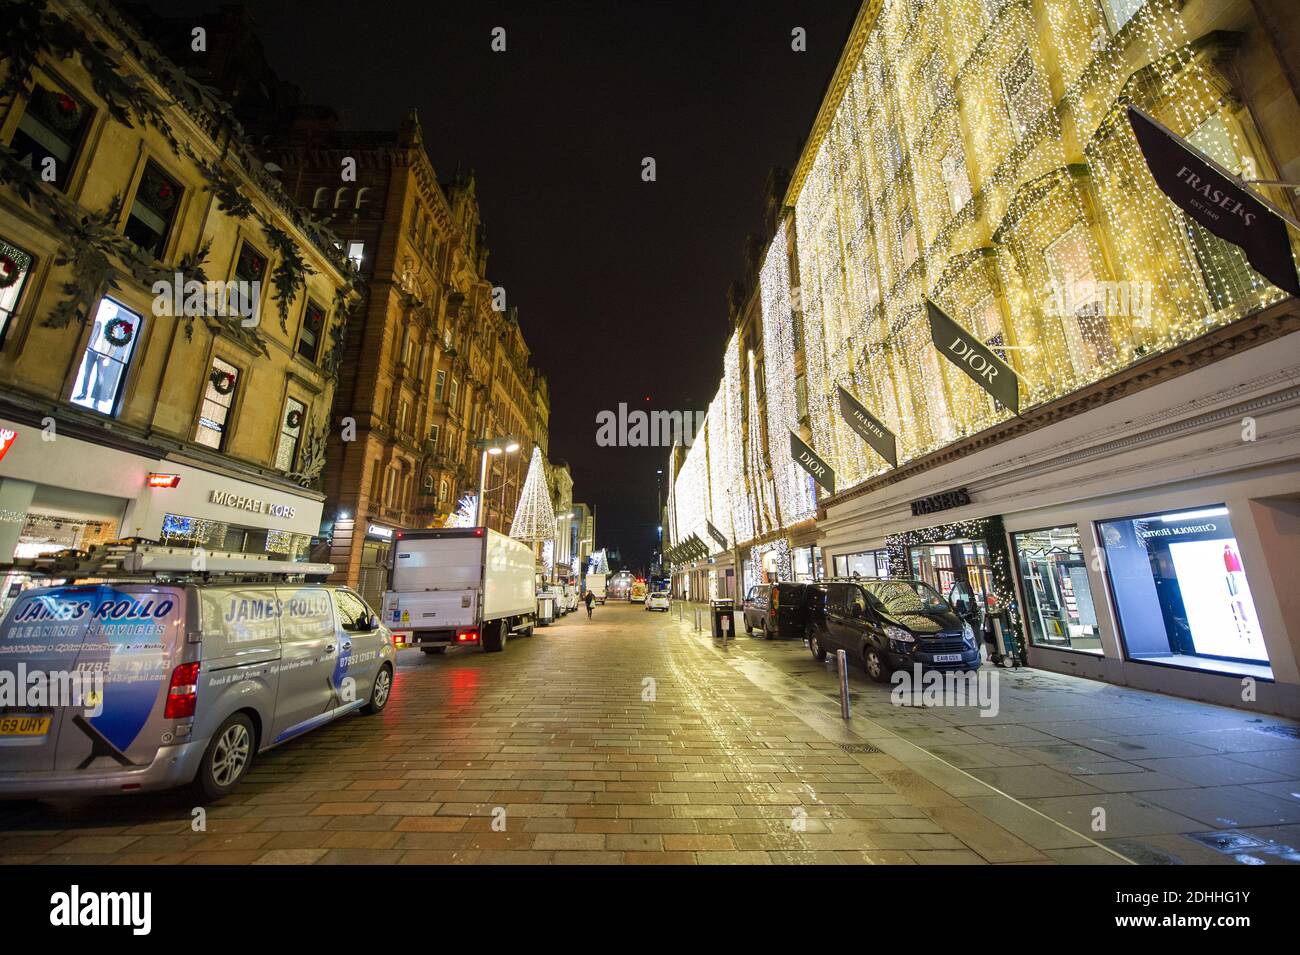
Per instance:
{"type": "Point", "coordinates": [899, 635]}
{"type": "Point", "coordinates": [968, 632]}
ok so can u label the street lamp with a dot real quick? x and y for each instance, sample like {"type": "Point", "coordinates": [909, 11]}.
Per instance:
{"type": "Point", "coordinates": [493, 446]}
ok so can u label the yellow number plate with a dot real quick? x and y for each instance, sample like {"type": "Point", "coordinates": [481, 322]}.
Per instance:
{"type": "Point", "coordinates": [24, 725]}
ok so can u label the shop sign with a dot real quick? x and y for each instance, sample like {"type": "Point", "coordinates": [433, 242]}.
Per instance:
{"type": "Point", "coordinates": [253, 505]}
{"type": "Point", "coordinates": [716, 534]}
{"type": "Point", "coordinates": [807, 459]}
{"type": "Point", "coordinates": [974, 358]}
{"type": "Point", "coordinates": [1217, 200]}
{"type": "Point", "coordinates": [869, 428]}
{"type": "Point", "coordinates": [941, 502]}
{"type": "Point", "coordinates": [374, 530]}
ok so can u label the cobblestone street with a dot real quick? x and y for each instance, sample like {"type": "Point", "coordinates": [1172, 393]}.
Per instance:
{"type": "Point", "coordinates": [633, 738]}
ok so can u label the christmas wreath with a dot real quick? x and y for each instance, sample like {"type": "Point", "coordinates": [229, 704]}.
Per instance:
{"type": "Point", "coordinates": [293, 418]}
{"type": "Point", "coordinates": [119, 332]}
{"type": "Point", "coordinates": [223, 382]}
{"type": "Point", "coordinates": [9, 271]}
{"type": "Point", "coordinates": [61, 110]}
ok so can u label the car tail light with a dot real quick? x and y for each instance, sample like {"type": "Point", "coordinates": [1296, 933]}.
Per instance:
{"type": "Point", "coordinates": [183, 692]}
{"type": "Point", "coordinates": [466, 636]}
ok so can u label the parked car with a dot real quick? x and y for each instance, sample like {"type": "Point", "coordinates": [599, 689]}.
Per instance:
{"type": "Point", "coordinates": [777, 610]}
{"type": "Point", "coordinates": [198, 680]}
{"type": "Point", "coordinates": [888, 625]}
{"type": "Point", "coordinates": [658, 600]}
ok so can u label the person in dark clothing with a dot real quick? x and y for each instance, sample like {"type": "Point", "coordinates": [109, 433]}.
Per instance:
{"type": "Point", "coordinates": [589, 599]}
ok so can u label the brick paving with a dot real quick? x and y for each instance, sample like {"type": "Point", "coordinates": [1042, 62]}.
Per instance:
{"type": "Point", "coordinates": [625, 739]}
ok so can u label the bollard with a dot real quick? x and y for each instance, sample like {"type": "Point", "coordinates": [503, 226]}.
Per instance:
{"type": "Point", "coordinates": [842, 660]}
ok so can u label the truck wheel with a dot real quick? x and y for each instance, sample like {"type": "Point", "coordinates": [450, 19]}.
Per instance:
{"type": "Point", "coordinates": [228, 756]}
{"type": "Point", "coordinates": [495, 637]}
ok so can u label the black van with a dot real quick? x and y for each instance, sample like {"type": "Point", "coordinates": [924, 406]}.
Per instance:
{"type": "Point", "coordinates": [889, 624]}
{"type": "Point", "coordinates": [778, 610]}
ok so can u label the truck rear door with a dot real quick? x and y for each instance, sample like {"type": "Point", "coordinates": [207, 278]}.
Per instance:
{"type": "Point", "coordinates": [435, 584]}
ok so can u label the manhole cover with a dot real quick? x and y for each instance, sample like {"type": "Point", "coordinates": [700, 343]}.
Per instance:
{"type": "Point", "coordinates": [1286, 732]}
{"type": "Point", "coordinates": [1226, 841]}
{"type": "Point", "coordinates": [859, 748]}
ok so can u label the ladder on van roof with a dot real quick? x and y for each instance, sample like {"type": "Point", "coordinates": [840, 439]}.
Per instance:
{"type": "Point", "coordinates": [137, 559]}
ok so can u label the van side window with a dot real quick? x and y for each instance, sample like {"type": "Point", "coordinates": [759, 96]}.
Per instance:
{"type": "Point", "coordinates": [354, 615]}
{"type": "Point", "coordinates": [857, 604]}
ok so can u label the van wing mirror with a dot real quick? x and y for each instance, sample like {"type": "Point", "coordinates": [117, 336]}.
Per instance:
{"type": "Point", "coordinates": [371, 623]}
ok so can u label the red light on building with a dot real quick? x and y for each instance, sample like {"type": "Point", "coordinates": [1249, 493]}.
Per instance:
{"type": "Point", "coordinates": [163, 480]}
{"type": "Point", "coordinates": [7, 439]}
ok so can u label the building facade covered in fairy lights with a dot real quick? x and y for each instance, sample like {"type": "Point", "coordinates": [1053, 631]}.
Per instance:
{"type": "Point", "coordinates": [1137, 518]}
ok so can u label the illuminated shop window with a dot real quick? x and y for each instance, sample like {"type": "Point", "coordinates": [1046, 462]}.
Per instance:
{"type": "Point", "coordinates": [1059, 611]}
{"type": "Point", "coordinates": [101, 375]}
{"type": "Point", "coordinates": [15, 267]}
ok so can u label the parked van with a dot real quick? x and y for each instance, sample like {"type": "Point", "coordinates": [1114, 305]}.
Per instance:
{"type": "Point", "coordinates": [888, 625]}
{"type": "Point", "coordinates": [196, 679]}
{"type": "Point", "coordinates": [776, 610]}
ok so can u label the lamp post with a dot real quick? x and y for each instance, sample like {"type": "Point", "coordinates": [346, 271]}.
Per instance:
{"type": "Point", "coordinates": [492, 446]}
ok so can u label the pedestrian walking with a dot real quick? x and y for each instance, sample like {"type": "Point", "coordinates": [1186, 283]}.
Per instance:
{"type": "Point", "coordinates": [589, 600]}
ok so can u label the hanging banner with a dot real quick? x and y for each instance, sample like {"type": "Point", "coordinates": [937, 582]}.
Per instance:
{"type": "Point", "coordinates": [868, 427]}
{"type": "Point", "coordinates": [1217, 200]}
{"type": "Point", "coordinates": [716, 535]}
{"type": "Point", "coordinates": [974, 358]}
{"type": "Point", "coordinates": [807, 459]}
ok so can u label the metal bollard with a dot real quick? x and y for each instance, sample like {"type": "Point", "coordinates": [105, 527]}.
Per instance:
{"type": "Point", "coordinates": [842, 661]}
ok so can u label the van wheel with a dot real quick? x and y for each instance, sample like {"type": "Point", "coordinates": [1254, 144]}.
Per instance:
{"type": "Point", "coordinates": [381, 691]}
{"type": "Point", "coordinates": [495, 637]}
{"type": "Point", "coordinates": [875, 665]}
{"type": "Point", "coordinates": [815, 645]}
{"type": "Point", "coordinates": [228, 756]}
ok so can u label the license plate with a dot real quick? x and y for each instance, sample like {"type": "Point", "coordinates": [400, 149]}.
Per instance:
{"type": "Point", "coordinates": [24, 725]}
{"type": "Point", "coordinates": [947, 658]}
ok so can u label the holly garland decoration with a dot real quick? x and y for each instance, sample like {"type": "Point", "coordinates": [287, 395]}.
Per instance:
{"type": "Point", "coordinates": [119, 332]}
{"type": "Point", "coordinates": [223, 382]}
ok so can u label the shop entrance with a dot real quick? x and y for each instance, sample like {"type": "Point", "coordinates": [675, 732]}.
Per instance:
{"type": "Point", "coordinates": [947, 563]}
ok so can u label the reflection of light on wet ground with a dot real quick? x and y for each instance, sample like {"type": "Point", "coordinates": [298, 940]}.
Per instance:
{"type": "Point", "coordinates": [464, 686]}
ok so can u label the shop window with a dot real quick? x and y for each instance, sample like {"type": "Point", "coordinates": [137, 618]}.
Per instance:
{"type": "Point", "coordinates": [218, 397]}
{"type": "Point", "coordinates": [50, 133]}
{"type": "Point", "coordinates": [1059, 611]}
{"type": "Point", "coordinates": [356, 253]}
{"type": "Point", "coordinates": [948, 565]}
{"type": "Point", "coordinates": [1180, 592]}
{"type": "Point", "coordinates": [153, 210]}
{"type": "Point", "coordinates": [286, 452]}
{"type": "Point", "coordinates": [869, 563]}
{"type": "Point", "coordinates": [102, 373]}
{"type": "Point", "coordinates": [15, 267]}
{"type": "Point", "coordinates": [313, 328]}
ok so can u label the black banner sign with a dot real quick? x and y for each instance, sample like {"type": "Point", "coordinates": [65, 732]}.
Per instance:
{"type": "Point", "coordinates": [1216, 200]}
{"type": "Point", "coordinates": [808, 460]}
{"type": "Point", "coordinates": [868, 427]}
{"type": "Point", "coordinates": [974, 358]}
{"type": "Point", "coordinates": [716, 534]}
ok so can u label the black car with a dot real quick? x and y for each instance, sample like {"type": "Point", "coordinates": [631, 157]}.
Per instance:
{"type": "Point", "coordinates": [889, 624]}
{"type": "Point", "coordinates": [778, 610]}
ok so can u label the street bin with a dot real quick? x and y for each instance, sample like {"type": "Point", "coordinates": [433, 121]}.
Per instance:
{"type": "Point", "coordinates": [545, 608]}
{"type": "Point", "coordinates": [724, 619]}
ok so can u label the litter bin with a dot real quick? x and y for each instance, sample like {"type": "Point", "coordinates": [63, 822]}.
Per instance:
{"type": "Point", "coordinates": [724, 619]}
{"type": "Point", "coordinates": [545, 608]}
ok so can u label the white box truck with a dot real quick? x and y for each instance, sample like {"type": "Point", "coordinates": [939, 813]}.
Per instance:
{"type": "Point", "coordinates": [459, 586]}
{"type": "Point", "coordinates": [596, 584]}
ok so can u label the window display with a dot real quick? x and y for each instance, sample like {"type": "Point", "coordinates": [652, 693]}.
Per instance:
{"type": "Point", "coordinates": [101, 375]}
{"type": "Point", "coordinates": [869, 563]}
{"type": "Point", "coordinates": [1058, 601]}
{"type": "Point", "coordinates": [1181, 591]}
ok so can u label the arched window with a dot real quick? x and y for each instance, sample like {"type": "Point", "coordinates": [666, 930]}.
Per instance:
{"type": "Point", "coordinates": [362, 197]}
{"type": "Point", "coordinates": [320, 199]}
{"type": "Point", "coordinates": [341, 197]}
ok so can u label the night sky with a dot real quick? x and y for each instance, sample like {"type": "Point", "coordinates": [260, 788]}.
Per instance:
{"type": "Point", "coordinates": [620, 284]}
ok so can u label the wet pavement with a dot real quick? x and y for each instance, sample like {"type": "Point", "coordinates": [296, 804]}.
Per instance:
{"type": "Point", "coordinates": [634, 738]}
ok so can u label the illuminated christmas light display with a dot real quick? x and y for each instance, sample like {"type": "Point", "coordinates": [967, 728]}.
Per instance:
{"type": "Point", "coordinates": [534, 517]}
{"type": "Point", "coordinates": [719, 467]}
{"type": "Point", "coordinates": [794, 494]}
{"type": "Point", "coordinates": [742, 520]}
{"type": "Point", "coordinates": [466, 513]}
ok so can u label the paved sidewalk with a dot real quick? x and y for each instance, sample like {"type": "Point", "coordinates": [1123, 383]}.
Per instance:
{"type": "Point", "coordinates": [625, 739]}
{"type": "Point", "coordinates": [1178, 781]}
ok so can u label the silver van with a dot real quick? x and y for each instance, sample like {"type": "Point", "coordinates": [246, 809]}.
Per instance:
{"type": "Point", "coordinates": [130, 687]}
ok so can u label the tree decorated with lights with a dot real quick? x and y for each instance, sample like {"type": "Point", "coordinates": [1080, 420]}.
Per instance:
{"type": "Point", "coordinates": [534, 517]}
{"type": "Point", "coordinates": [466, 513]}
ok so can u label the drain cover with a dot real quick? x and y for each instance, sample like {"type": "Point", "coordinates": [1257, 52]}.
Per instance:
{"type": "Point", "coordinates": [859, 748]}
{"type": "Point", "coordinates": [1226, 840]}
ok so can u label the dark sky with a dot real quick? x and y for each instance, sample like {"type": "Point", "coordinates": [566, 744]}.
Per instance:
{"type": "Point", "coordinates": [621, 284]}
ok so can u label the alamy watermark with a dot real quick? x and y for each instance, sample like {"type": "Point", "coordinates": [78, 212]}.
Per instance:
{"type": "Point", "coordinates": [1113, 299]}
{"type": "Point", "coordinates": [647, 429]}
{"type": "Point", "coordinates": [22, 689]}
{"type": "Point", "coordinates": [918, 687]}
{"type": "Point", "coordinates": [212, 299]}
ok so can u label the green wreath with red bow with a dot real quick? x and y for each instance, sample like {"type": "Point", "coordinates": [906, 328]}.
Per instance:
{"type": "Point", "coordinates": [119, 332]}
